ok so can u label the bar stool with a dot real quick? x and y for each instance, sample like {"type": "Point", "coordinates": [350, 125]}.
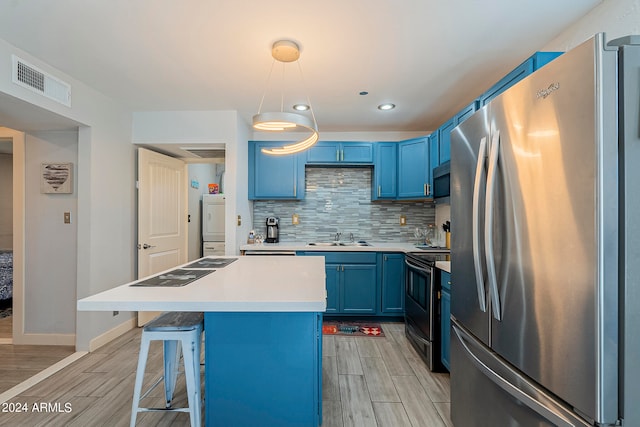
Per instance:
{"type": "Point", "coordinates": [173, 328]}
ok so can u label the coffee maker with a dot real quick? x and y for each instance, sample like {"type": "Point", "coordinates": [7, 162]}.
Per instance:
{"type": "Point", "coordinates": [272, 230]}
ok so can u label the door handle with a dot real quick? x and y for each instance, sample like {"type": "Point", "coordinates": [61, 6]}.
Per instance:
{"type": "Point", "coordinates": [488, 226]}
{"type": "Point", "coordinates": [145, 246]}
{"type": "Point", "coordinates": [475, 226]}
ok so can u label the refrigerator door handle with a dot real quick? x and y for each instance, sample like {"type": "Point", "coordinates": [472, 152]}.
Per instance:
{"type": "Point", "coordinates": [530, 401]}
{"type": "Point", "coordinates": [482, 152]}
{"type": "Point", "coordinates": [488, 225]}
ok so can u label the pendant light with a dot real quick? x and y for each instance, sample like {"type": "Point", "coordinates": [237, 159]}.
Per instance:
{"type": "Point", "coordinates": [285, 51]}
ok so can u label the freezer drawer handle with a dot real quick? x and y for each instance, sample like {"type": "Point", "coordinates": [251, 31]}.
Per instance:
{"type": "Point", "coordinates": [476, 225]}
{"type": "Point", "coordinates": [523, 397]}
{"type": "Point", "coordinates": [488, 226]}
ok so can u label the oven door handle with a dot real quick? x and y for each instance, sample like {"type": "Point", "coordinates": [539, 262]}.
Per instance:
{"type": "Point", "coordinates": [416, 267]}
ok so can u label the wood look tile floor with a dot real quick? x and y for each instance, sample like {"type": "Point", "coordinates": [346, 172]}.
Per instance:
{"type": "Point", "coordinates": [367, 381]}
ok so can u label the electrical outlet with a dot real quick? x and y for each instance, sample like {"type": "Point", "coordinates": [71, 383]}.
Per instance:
{"type": "Point", "coordinates": [67, 217]}
{"type": "Point", "coordinates": [295, 219]}
{"type": "Point", "coordinates": [403, 220]}
{"type": "Point", "coordinates": [115, 313]}
{"type": "Point", "coordinates": [239, 220]}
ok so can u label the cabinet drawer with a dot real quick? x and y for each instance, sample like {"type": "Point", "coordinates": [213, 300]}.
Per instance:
{"type": "Point", "coordinates": [345, 257]}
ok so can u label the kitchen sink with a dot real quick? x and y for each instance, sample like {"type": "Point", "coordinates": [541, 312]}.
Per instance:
{"type": "Point", "coordinates": [359, 243]}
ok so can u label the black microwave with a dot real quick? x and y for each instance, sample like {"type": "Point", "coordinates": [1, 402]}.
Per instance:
{"type": "Point", "coordinates": [441, 182]}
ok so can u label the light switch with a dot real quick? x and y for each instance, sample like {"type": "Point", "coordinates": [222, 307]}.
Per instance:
{"type": "Point", "coordinates": [403, 220]}
{"type": "Point", "coordinates": [295, 220]}
{"type": "Point", "coordinates": [239, 220]}
{"type": "Point", "coordinates": [67, 217]}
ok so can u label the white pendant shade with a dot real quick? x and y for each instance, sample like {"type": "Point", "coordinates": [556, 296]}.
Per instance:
{"type": "Point", "coordinates": [286, 51]}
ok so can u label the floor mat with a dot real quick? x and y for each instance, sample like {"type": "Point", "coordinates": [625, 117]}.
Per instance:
{"type": "Point", "coordinates": [365, 329]}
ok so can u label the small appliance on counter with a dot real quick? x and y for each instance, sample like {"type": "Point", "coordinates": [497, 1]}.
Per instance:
{"type": "Point", "coordinates": [272, 230]}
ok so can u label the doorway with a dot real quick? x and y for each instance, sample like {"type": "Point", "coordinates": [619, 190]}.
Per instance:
{"type": "Point", "coordinates": [6, 240]}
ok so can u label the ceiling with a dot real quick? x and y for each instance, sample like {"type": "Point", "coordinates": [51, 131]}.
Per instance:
{"type": "Point", "coordinates": [428, 57]}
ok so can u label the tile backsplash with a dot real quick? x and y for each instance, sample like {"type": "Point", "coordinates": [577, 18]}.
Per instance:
{"type": "Point", "coordinates": [339, 200]}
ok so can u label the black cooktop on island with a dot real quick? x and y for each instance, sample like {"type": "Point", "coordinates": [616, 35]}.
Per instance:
{"type": "Point", "coordinates": [174, 278]}
{"type": "Point", "coordinates": [211, 263]}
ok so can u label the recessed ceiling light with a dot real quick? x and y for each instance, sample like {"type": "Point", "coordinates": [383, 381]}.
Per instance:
{"type": "Point", "coordinates": [387, 106]}
{"type": "Point", "coordinates": [301, 107]}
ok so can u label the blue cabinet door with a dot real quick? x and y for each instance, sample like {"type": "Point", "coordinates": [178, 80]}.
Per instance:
{"type": "Point", "coordinates": [444, 140]}
{"type": "Point", "coordinates": [445, 317]}
{"type": "Point", "coordinates": [356, 152]}
{"type": "Point", "coordinates": [330, 152]}
{"type": "Point", "coordinates": [332, 272]}
{"type": "Point", "coordinates": [274, 177]}
{"type": "Point", "coordinates": [392, 283]}
{"type": "Point", "coordinates": [358, 289]}
{"type": "Point", "coordinates": [414, 169]}
{"type": "Point", "coordinates": [385, 171]}
{"type": "Point", "coordinates": [324, 152]}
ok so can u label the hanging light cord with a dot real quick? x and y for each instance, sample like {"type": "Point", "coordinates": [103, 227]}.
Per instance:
{"type": "Point", "coordinates": [304, 85]}
{"type": "Point", "coordinates": [266, 85]}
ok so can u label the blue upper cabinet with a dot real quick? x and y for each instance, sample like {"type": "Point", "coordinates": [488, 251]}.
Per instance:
{"type": "Point", "coordinates": [534, 62]}
{"type": "Point", "coordinates": [274, 177]}
{"type": "Point", "coordinates": [414, 169]}
{"type": "Point", "coordinates": [444, 133]}
{"type": "Point", "coordinates": [385, 171]}
{"type": "Point", "coordinates": [444, 140]}
{"type": "Point", "coordinates": [331, 153]}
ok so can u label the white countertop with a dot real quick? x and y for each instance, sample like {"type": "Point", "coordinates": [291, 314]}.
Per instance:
{"type": "Point", "coordinates": [444, 266]}
{"type": "Point", "coordinates": [304, 246]}
{"type": "Point", "coordinates": [256, 283]}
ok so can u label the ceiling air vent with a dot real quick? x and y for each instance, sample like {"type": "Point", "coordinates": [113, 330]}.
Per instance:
{"type": "Point", "coordinates": [207, 153]}
{"type": "Point", "coordinates": [26, 75]}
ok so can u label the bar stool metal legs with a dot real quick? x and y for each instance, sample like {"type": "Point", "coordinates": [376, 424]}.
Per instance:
{"type": "Point", "coordinates": [181, 333]}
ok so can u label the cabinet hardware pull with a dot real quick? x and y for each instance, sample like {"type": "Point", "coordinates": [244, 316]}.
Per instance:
{"type": "Point", "coordinates": [295, 190]}
{"type": "Point", "coordinates": [342, 155]}
{"type": "Point", "coordinates": [379, 190]}
{"type": "Point", "coordinates": [337, 155]}
{"type": "Point", "coordinates": [425, 189]}
{"type": "Point", "coordinates": [428, 189]}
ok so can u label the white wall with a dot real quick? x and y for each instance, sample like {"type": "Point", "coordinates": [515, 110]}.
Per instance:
{"type": "Point", "coordinates": [50, 293]}
{"type": "Point", "coordinates": [105, 255]}
{"type": "Point", "coordinates": [616, 18]}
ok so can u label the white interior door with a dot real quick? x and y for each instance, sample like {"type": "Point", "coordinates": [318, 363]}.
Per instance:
{"type": "Point", "coordinates": [162, 216]}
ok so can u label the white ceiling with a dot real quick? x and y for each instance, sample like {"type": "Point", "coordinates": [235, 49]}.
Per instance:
{"type": "Point", "coordinates": [429, 57]}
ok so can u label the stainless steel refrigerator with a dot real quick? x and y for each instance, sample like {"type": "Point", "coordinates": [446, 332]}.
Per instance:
{"type": "Point", "coordinates": [545, 256]}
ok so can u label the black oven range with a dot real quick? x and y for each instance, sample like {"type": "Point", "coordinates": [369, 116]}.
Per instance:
{"type": "Point", "coordinates": [422, 318]}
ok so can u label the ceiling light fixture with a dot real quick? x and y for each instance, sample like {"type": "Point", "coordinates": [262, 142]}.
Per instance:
{"type": "Point", "coordinates": [386, 107]}
{"type": "Point", "coordinates": [286, 51]}
{"type": "Point", "coordinates": [301, 107]}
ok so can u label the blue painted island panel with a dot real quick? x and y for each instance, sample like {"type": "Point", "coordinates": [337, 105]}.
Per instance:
{"type": "Point", "coordinates": [263, 369]}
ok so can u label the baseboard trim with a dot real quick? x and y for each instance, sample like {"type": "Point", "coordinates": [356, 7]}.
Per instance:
{"type": "Point", "coordinates": [112, 334]}
{"type": "Point", "coordinates": [46, 339]}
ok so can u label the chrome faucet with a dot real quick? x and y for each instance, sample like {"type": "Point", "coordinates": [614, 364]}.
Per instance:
{"type": "Point", "coordinates": [338, 235]}
{"type": "Point", "coordinates": [351, 239]}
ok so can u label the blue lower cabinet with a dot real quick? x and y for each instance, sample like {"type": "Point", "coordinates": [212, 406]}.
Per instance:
{"type": "Point", "coordinates": [445, 317]}
{"type": "Point", "coordinates": [333, 293]}
{"type": "Point", "coordinates": [263, 369]}
{"type": "Point", "coordinates": [392, 284]}
{"type": "Point", "coordinates": [358, 289]}
{"type": "Point", "coordinates": [351, 280]}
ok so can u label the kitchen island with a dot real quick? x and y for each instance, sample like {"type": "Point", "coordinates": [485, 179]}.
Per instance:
{"type": "Point", "coordinates": [263, 320]}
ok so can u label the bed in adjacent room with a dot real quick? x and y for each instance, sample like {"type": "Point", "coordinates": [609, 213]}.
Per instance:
{"type": "Point", "coordinates": [6, 277]}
